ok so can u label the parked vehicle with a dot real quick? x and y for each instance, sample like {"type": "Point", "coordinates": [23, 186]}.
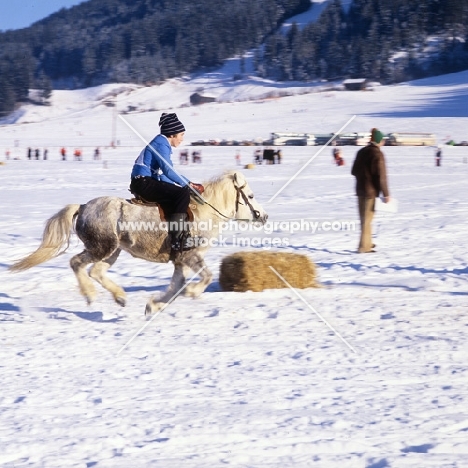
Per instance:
{"type": "Point", "coordinates": [362, 139]}
{"type": "Point", "coordinates": [292, 139]}
{"type": "Point", "coordinates": [411, 139]}
{"type": "Point", "coordinates": [323, 138]}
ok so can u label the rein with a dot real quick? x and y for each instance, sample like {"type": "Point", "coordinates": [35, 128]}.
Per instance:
{"type": "Point", "coordinates": [239, 193]}
{"type": "Point", "coordinates": [239, 190]}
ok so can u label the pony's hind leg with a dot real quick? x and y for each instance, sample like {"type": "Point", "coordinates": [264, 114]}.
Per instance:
{"type": "Point", "coordinates": [78, 264]}
{"type": "Point", "coordinates": [98, 272]}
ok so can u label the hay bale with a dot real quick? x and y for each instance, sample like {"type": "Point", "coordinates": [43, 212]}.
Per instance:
{"type": "Point", "coordinates": [249, 166]}
{"type": "Point", "coordinates": [250, 271]}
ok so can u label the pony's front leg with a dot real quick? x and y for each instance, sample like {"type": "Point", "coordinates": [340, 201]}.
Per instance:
{"type": "Point", "coordinates": [177, 282]}
{"type": "Point", "coordinates": [198, 266]}
{"type": "Point", "coordinates": [182, 267]}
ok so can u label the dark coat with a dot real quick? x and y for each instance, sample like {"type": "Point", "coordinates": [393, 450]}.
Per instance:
{"type": "Point", "coordinates": [370, 172]}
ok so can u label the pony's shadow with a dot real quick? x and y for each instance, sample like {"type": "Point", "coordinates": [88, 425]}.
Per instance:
{"type": "Point", "coordinates": [213, 287]}
{"type": "Point", "coordinates": [149, 289]}
{"type": "Point", "coordinates": [7, 307]}
{"type": "Point", "coordinates": [90, 316]}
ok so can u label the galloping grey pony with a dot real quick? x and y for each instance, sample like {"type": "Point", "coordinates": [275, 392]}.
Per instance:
{"type": "Point", "coordinates": [108, 225]}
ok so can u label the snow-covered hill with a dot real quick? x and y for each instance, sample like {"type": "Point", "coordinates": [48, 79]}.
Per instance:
{"type": "Point", "coordinates": [253, 379]}
{"type": "Point", "coordinates": [424, 106]}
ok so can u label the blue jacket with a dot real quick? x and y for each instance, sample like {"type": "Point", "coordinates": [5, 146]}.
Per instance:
{"type": "Point", "coordinates": [155, 161]}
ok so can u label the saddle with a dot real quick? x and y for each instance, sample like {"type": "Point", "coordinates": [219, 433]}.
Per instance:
{"type": "Point", "coordinates": [139, 200]}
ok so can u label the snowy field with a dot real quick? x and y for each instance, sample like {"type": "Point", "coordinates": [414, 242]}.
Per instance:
{"type": "Point", "coordinates": [243, 379]}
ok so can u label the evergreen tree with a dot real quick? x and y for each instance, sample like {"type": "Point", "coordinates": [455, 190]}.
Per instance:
{"type": "Point", "coordinates": [148, 41]}
{"type": "Point", "coordinates": [7, 94]}
{"type": "Point", "coordinates": [365, 41]}
{"type": "Point", "coordinates": [44, 86]}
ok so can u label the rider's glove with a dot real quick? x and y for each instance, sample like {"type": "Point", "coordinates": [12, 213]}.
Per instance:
{"type": "Point", "coordinates": [198, 187]}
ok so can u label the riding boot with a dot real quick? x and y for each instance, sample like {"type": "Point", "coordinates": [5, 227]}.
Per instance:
{"type": "Point", "coordinates": [179, 230]}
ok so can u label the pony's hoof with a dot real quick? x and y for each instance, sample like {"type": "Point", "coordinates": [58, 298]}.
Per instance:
{"type": "Point", "coordinates": [153, 307]}
{"type": "Point", "coordinates": [193, 291]}
{"type": "Point", "coordinates": [121, 301]}
{"type": "Point", "coordinates": [191, 294]}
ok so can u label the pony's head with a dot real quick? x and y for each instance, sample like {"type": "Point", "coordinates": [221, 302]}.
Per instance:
{"type": "Point", "coordinates": [232, 192]}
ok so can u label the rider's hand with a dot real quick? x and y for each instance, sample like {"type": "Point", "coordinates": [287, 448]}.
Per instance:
{"type": "Point", "coordinates": [198, 187]}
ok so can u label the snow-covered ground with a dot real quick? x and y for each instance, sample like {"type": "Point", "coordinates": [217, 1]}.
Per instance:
{"type": "Point", "coordinates": [243, 379]}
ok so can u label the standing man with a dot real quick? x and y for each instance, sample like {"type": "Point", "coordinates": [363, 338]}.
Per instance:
{"type": "Point", "coordinates": [371, 179]}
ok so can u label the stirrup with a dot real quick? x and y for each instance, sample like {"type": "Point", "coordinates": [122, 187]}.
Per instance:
{"type": "Point", "coordinates": [187, 243]}
{"type": "Point", "coordinates": [178, 247]}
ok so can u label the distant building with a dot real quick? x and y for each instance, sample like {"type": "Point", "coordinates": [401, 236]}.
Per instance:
{"type": "Point", "coordinates": [357, 84]}
{"type": "Point", "coordinates": [197, 99]}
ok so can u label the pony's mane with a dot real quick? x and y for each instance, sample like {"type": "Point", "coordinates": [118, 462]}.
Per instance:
{"type": "Point", "coordinates": [216, 184]}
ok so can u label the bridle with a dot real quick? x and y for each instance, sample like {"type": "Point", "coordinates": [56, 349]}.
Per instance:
{"type": "Point", "coordinates": [239, 193]}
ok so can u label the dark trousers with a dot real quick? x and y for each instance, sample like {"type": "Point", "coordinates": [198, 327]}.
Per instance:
{"type": "Point", "coordinates": [172, 198]}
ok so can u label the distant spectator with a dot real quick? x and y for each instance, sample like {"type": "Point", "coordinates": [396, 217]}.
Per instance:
{"type": "Point", "coordinates": [29, 153]}
{"type": "Point", "coordinates": [335, 153]}
{"type": "Point", "coordinates": [438, 156]}
{"type": "Point", "coordinates": [338, 158]}
{"type": "Point", "coordinates": [269, 155]}
{"type": "Point", "coordinates": [184, 157]}
{"type": "Point", "coordinates": [196, 157]}
{"type": "Point", "coordinates": [97, 154]}
{"type": "Point", "coordinates": [63, 152]}
{"type": "Point", "coordinates": [278, 156]}
{"type": "Point", "coordinates": [45, 154]}
{"type": "Point", "coordinates": [37, 153]}
{"type": "Point", "coordinates": [258, 156]}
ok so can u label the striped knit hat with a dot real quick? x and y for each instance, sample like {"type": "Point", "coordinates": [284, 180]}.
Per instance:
{"type": "Point", "coordinates": [170, 124]}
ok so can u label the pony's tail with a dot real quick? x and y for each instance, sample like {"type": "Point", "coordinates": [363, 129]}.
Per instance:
{"type": "Point", "coordinates": [56, 233]}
